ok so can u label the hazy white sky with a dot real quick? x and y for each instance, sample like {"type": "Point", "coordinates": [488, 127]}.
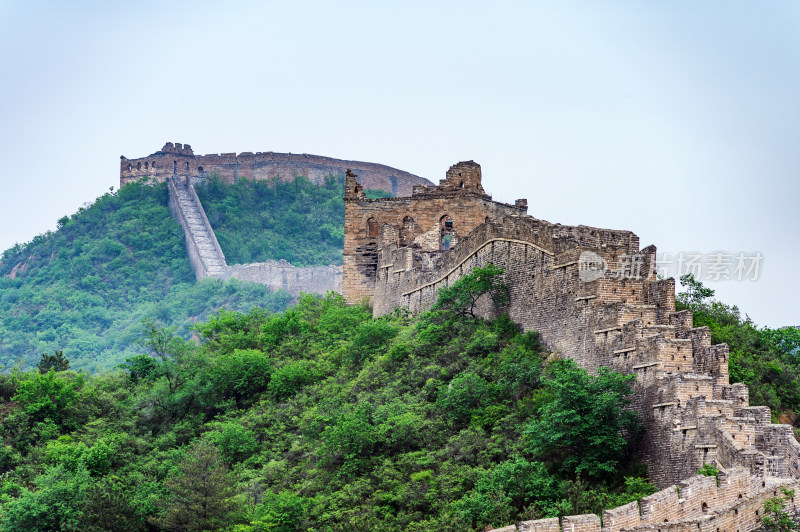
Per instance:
{"type": "Point", "coordinates": [677, 120]}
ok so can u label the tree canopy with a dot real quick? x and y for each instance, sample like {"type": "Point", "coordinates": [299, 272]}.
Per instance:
{"type": "Point", "coordinates": [317, 418]}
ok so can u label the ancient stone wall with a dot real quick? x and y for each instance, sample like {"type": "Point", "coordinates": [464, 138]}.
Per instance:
{"type": "Point", "coordinates": [201, 245]}
{"type": "Point", "coordinates": [281, 275]}
{"type": "Point", "coordinates": [593, 296]}
{"type": "Point", "coordinates": [179, 160]}
{"type": "Point", "coordinates": [734, 502]}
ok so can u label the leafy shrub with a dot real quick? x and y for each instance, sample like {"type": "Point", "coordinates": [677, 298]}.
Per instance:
{"type": "Point", "coordinates": [234, 441]}
{"type": "Point", "coordinates": [241, 375]}
{"type": "Point", "coordinates": [287, 380]}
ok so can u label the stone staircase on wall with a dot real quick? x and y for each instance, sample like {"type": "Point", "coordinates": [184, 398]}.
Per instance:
{"type": "Point", "coordinates": [693, 413]}
{"type": "Point", "coordinates": [208, 260]}
{"type": "Point", "coordinates": [206, 255]}
{"type": "Point", "coordinates": [694, 416]}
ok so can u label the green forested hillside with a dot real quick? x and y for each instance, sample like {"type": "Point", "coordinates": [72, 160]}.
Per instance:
{"type": "Point", "coordinates": [319, 418]}
{"type": "Point", "coordinates": [272, 219]}
{"type": "Point", "coordinates": [86, 287]}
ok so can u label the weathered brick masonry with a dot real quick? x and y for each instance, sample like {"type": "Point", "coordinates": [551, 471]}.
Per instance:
{"type": "Point", "coordinates": [432, 219]}
{"type": "Point", "coordinates": [178, 160]}
{"type": "Point", "coordinates": [399, 252]}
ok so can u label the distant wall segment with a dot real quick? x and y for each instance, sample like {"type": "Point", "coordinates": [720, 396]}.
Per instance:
{"type": "Point", "coordinates": [179, 160]}
{"type": "Point", "coordinates": [207, 259]}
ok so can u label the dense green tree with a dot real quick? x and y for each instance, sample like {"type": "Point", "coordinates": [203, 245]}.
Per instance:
{"type": "Point", "coordinates": [695, 292]}
{"type": "Point", "coordinates": [777, 516]}
{"type": "Point", "coordinates": [55, 504]}
{"type": "Point", "coordinates": [583, 427]}
{"type": "Point", "coordinates": [463, 296]}
{"type": "Point", "coordinates": [295, 220]}
{"type": "Point", "coordinates": [85, 288]}
{"type": "Point", "coordinates": [319, 417]}
{"type": "Point", "coordinates": [764, 359]}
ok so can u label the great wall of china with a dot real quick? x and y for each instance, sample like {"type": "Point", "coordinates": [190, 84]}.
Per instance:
{"type": "Point", "coordinates": [400, 251]}
{"type": "Point", "coordinates": [179, 160]}
{"type": "Point", "coordinates": [181, 169]}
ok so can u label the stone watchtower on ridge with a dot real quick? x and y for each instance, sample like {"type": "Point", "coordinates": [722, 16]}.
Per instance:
{"type": "Point", "coordinates": [432, 220]}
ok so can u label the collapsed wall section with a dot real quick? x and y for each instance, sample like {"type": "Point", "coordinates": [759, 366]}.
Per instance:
{"type": "Point", "coordinates": [432, 220]}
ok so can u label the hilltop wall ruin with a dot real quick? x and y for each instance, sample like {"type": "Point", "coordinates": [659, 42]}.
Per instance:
{"type": "Point", "coordinates": [177, 164]}
{"type": "Point", "coordinates": [179, 160]}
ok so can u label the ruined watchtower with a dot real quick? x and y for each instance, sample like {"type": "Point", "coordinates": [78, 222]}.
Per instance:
{"type": "Point", "coordinates": [431, 220]}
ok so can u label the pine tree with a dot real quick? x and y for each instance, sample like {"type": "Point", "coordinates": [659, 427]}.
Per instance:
{"type": "Point", "coordinates": [57, 361]}
{"type": "Point", "coordinates": [200, 493]}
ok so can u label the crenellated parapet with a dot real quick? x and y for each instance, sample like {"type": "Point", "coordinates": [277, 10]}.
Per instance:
{"type": "Point", "coordinates": [178, 160]}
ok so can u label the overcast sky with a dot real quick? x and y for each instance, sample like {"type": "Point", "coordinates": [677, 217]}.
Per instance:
{"type": "Point", "coordinates": [677, 120]}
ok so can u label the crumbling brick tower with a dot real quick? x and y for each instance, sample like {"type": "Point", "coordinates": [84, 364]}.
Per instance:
{"type": "Point", "coordinates": [432, 220]}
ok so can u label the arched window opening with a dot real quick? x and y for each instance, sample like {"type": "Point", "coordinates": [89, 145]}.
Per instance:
{"type": "Point", "coordinates": [130, 167]}
{"type": "Point", "coordinates": [138, 166]}
{"type": "Point", "coordinates": [175, 167]}
{"type": "Point", "coordinates": [447, 233]}
{"type": "Point", "coordinates": [200, 169]}
{"type": "Point", "coordinates": [187, 166]}
{"type": "Point", "coordinates": [147, 165]}
{"type": "Point", "coordinates": [153, 165]}
{"type": "Point", "coordinates": [407, 231]}
{"type": "Point", "coordinates": [372, 227]}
